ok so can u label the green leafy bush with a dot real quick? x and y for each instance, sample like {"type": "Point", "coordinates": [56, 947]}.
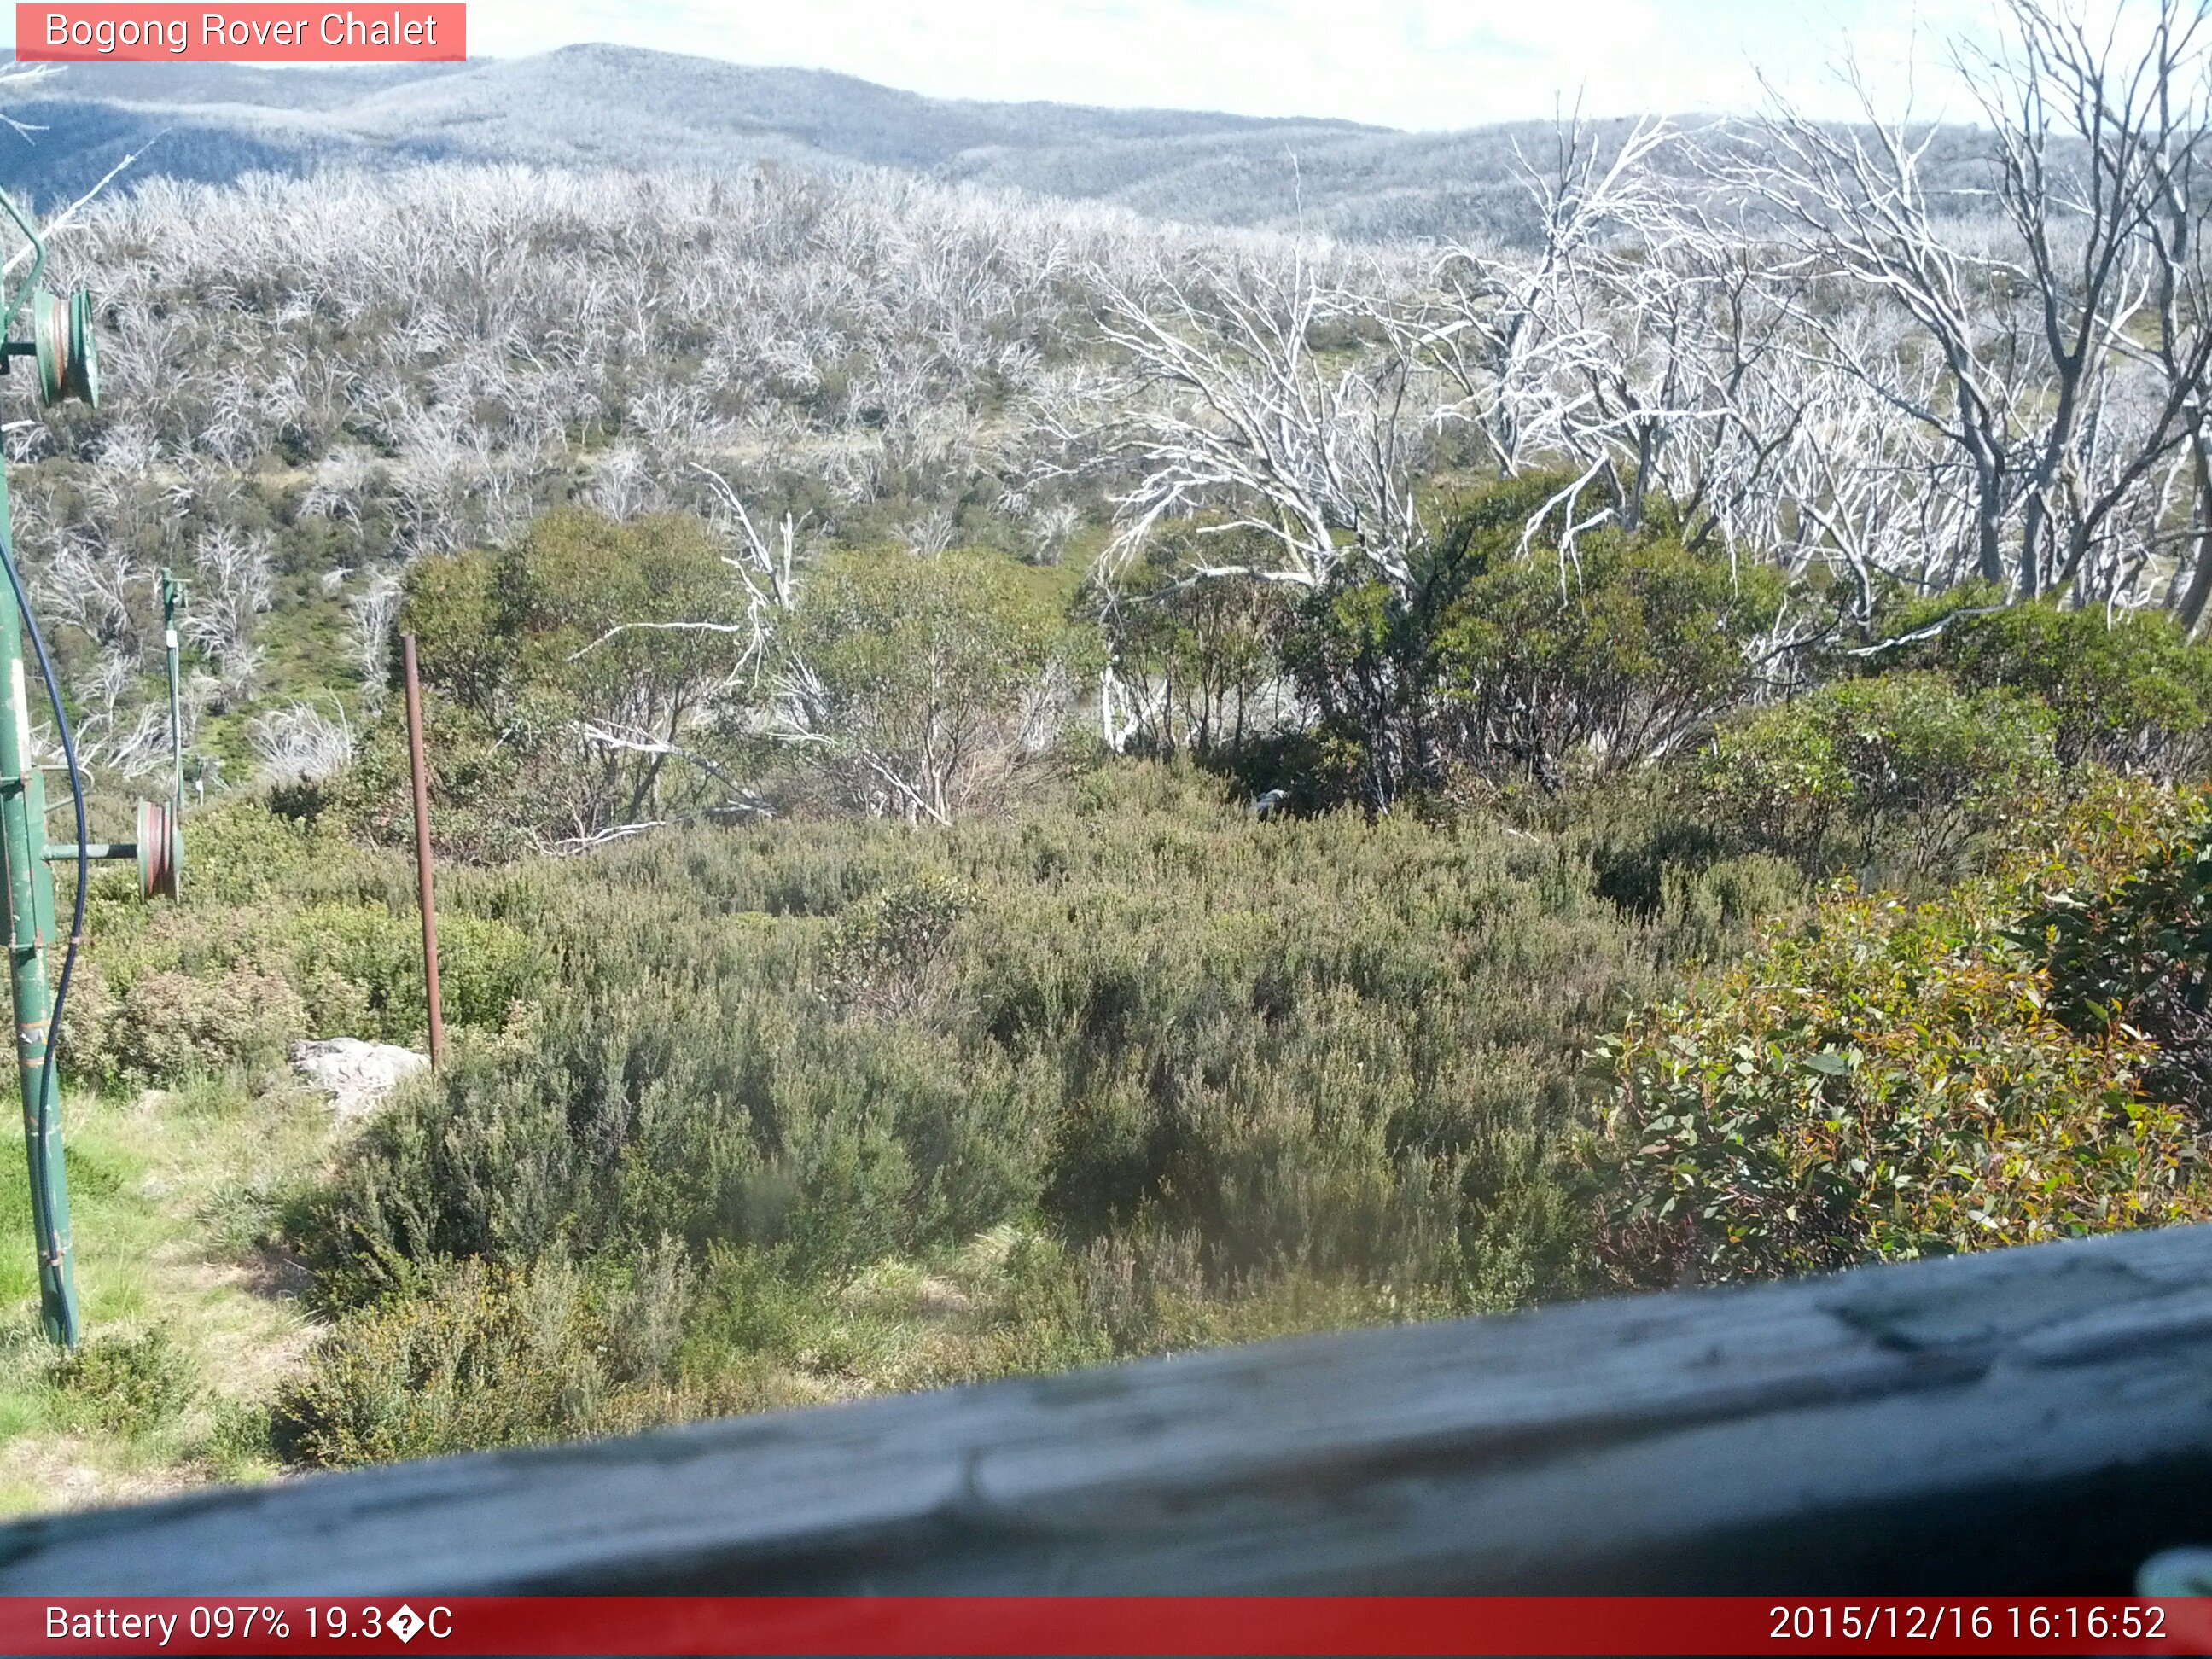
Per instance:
{"type": "Point", "coordinates": [1361, 657]}
{"type": "Point", "coordinates": [209, 986]}
{"type": "Point", "coordinates": [1707, 912]}
{"type": "Point", "coordinates": [1245, 1055]}
{"type": "Point", "coordinates": [1621, 655]}
{"type": "Point", "coordinates": [170, 1024]}
{"type": "Point", "coordinates": [2128, 692]}
{"type": "Point", "coordinates": [931, 683]}
{"type": "Point", "coordinates": [241, 852]}
{"type": "Point", "coordinates": [2137, 958]}
{"type": "Point", "coordinates": [1891, 1080]}
{"type": "Point", "coordinates": [558, 671]}
{"type": "Point", "coordinates": [284, 931]}
{"type": "Point", "coordinates": [1197, 654]}
{"type": "Point", "coordinates": [361, 969]}
{"type": "Point", "coordinates": [1508, 657]}
{"type": "Point", "coordinates": [1903, 766]}
{"type": "Point", "coordinates": [884, 947]}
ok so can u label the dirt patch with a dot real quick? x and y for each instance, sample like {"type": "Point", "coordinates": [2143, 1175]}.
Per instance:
{"type": "Point", "coordinates": [275, 1275]}
{"type": "Point", "coordinates": [65, 1471]}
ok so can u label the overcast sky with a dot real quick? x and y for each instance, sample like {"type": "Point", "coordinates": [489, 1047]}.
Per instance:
{"type": "Point", "coordinates": [1421, 64]}
{"type": "Point", "coordinates": [1429, 63]}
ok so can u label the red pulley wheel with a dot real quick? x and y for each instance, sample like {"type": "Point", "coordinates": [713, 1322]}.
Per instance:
{"type": "Point", "coordinates": [161, 849]}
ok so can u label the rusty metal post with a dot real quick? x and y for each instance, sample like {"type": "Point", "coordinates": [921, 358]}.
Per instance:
{"type": "Point", "coordinates": [422, 851]}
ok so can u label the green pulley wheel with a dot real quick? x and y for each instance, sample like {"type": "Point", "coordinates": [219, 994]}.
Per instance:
{"type": "Point", "coordinates": [69, 356]}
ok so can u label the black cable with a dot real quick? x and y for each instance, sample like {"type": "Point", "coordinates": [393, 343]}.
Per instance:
{"type": "Point", "coordinates": [84, 863]}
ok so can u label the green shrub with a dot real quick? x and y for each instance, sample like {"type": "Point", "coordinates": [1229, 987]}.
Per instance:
{"type": "Point", "coordinates": [1708, 914]}
{"type": "Point", "coordinates": [1892, 1081]}
{"type": "Point", "coordinates": [128, 1385]}
{"type": "Point", "coordinates": [1654, 849]}
{"type": "Point", "coordinates": [1209, 1077]}
{"type": "Point", "coordinates": [1361, 656]}
{"type": "Point", "coordinates": [479, 1356]}
{"type": "Point", "coordinates": [2127, 692]}
{"type": "Point", "coordinates": [288, 931]}
{"type": "Point", "coordinates": [239, 1442]}
{"type": "Point", "coordinates": [170, 1025]}
{"type": "Point", "coordinates": [2137, 958]}
{"type": "Point", "coordinates": [1621, 657]}
{"type": "Point", "coordinates": [932, 683]}
{"type": "Point", "coordinates": [360, 968]}
{"type": "Point", "coordinates": [885, 946]}
{"type": "Point", "coordinates": [540, 661]}
{"type": "Point", "coordinates": [1198, 655]}
{"type": "Point", "coordinates": [241, 851]}
{"type": "Point", "coordinates": [1294, 1053]}
{"type": "Point", "coordinates": [1903, 766]}
{"type": "Point", "coordinates": [1505, 656]}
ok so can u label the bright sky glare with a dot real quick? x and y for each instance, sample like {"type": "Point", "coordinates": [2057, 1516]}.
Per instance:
{"type": "Point", "coordinates": [1416, 63]}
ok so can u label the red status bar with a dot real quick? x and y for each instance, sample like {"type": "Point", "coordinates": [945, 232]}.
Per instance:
{"type": "Point", "coordinates": [255, 33]}
{"type": "Point", "coordinates": [1133, 1625]}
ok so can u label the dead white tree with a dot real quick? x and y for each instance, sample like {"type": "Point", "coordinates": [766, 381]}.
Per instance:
{"type": "Point", "coordinates": [767, 569]}
{"type": "Point", "coordinates": [1509, 330]}
{"type": "Point", "coordinates": [301, 743]}
{"type": "Point", "coordinates": [1233, 409]}
{"type": "Point", "coordinates": [234, 587]}
{"type": "Point", "coordinates": [373, 611]}
{"type": "Point", "coordinates": [1854, 207]}
{"type": "Point", "coordinates": [2070, 339]}
{"type": "Point", "coordinates": [2097, 138]}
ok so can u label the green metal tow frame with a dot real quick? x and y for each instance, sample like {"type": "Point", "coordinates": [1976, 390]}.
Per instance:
{"type": "Point", "coordinates": [68, 366]}
{"type": "Point", "coordinates": [30, 893]}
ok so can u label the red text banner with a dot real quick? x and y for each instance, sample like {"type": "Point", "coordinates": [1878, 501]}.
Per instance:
{"type": "Point", "coordinates": [257, 33]}
{"type": "Point", "coordinates": [1100, 1624]}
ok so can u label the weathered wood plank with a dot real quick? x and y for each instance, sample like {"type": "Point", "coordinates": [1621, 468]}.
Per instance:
{"type": "Point", "coordinates": [2031, 1420]}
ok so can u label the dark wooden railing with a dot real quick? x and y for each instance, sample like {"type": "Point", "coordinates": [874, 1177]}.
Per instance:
{"type": "Point", "coordinates": [2033, 1421]}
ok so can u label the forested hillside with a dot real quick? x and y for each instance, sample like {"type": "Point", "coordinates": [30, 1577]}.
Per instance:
{"type": "Point", "coordinates": [1021, 784]}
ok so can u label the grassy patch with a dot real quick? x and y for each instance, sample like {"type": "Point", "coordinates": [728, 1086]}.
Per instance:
{"type": "Point", "coordinates": [191, 1316]}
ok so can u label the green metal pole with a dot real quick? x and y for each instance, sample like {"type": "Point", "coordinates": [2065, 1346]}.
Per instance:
{"type": "Point", "coordinates": [31, 933]}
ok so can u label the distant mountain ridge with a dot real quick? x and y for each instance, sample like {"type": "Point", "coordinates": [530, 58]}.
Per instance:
{"type": "Point", "coordinates": [604, 106]}
{"type": "Point", "coordinates": [612, 105]}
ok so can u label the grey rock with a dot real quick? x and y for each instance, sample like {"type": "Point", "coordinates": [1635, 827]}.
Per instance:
{"type": "Point", "coordinates": [357, 1076]}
